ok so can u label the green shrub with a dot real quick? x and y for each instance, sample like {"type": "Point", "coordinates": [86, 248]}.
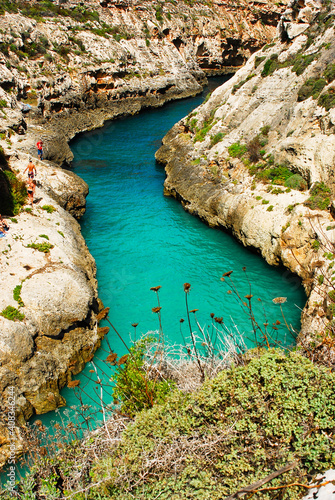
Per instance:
{"type": "Point", "coordinates": [13, 191]}
{"type": "Point", "coordinates": [271, 65]}
{"type": "Point", "coordinates": [44, 236]}
{"type": "Point", "coordinates": [217, 138]}
{"type": "Point", "coordinates": [258, 60]}
{"type": "Point", "coordinates": [134, 389]}
{"type": "Point", "coordinates": [12, 313]}
{"type": "Point", "coordinates": [207, 125]}
{"type": "Point", "coordinates": [241, 83]}
{"type": "Point", "coordinates": [329, 73]}
{"type": "Point", "coordinates": [327, 100]}
{"type": "Point", "coordinates": [301, 62]}
{"type": "Point", "coordinates": [238, 428]}
{"type": "Point", "coordinates": [17, 295]}
{"type": "Point", "coordinates": [237, 150]}
{"type": "Point", "coordinates": [277, 174]}
{"type": "Point", "coordinates": [48, 208]}
{"type": "Point", "coordinates": [319, 197]}
{"type": "Point", "coordinates": [41, 247]}
{"type": "Point", "coordinates": [313, 87]}
{"type": "Point", "coordinates": [296, 181]}
{"type": "Point", "coordinates": [270, 208]}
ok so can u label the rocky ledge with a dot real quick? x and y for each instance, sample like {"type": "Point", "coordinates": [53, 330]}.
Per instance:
{"type": "Point", "coordinates": [49, 304]}
{"type": "Point", "coordinates": [257, 160]}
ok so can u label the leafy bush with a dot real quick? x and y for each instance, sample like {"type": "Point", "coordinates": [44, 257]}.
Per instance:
{"type": "Point", "coordinates": [246, 423]}
{"type": "Point", "coordinates": [319, 197]}
{"type": "Point", "coordinates": [13, 191]}
{"type": "Point", "coordinates": [301, 62]}
{"type": "Point", "coordinates": [277, 174]}
{"type": "Point", "coordinates": [329, 73]}
{"type": "Point", "coordinates": [327, 100]}
{"type": "Point", "coordinates": [207, 125]}
{"type": "Point", "coordinates": [237, 150]}
{"type": "Point", "coordinates": [48, 208]}
{"type": "Point", "coordinates": [17, 295]}
{"type": "Point", "coordinates": [41, 247]}
{"type": "Point", "coordinates": [258, 60]}
{"type": "Point", "coordinates": [134, 389]}
{"type": "Point", "coordinates": [12, 313]}
{"type": "Point", "coordinates": [217, 138]}
{"type": "Point", "coordinates": [296, 181]}
{"type": "Point", "coordinates": [271, 65]}
{"type": "Point", "coordinates": [241, 83]}
{"type": "Point", "coordinates": [313, 87]}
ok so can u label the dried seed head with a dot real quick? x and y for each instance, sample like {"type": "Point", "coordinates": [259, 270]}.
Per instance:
{"type": "Point", "coordinates": [73, 383]}
{"type": "Point", "coordinates": [218, 320]}
{"type": "Point", "coordinates": [244, 268]}
{"type": "Point", "coordinates": [156, 309]}
{"type": "Point", "coordinates": [249, 297]}
{"type": "Point", "coordinates": [194, 310]}
{"type": "Point", "coordinates": [38, 423]}
{"type": "Point", "coordinates": [212, 315]}
{"type": "Point", "coordinates": [187, 286]}
{"type": "Point", "coordinates": [278, 322]}
{"type": "Point", "coordinates": [181, 320]}
{"type": "Point", "coordinates": [155, 288]}
{"type": "Point", "coordinates": [111, 358]}
{"type": "Point", "coordinates": [122, 360]}
{"type": "Point", "coordinates": [134, 325]}
{"type": "Point", "coordinates": [227, 274]}
{"type": "Point", "coordinates": [279, 300]}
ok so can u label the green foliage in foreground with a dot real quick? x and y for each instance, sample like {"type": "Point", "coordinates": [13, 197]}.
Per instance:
{"type": "Point", "coordinates": [253, 419]}
{"type": "Point", "coordinates": [134, 388]}
{"type": "Point", "coordinates": [238, 428]}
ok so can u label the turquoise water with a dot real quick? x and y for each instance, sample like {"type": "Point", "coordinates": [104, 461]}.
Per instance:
{"type": "Point", "coordinates": [141, 239]}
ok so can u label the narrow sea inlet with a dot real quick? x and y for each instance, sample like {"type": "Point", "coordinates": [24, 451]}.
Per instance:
{"type": "Point", "coordinates": [141, 239]}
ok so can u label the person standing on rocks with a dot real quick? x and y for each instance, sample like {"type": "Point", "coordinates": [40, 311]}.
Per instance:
{"type": "Point", "coordinates": [31, 190]}
{"type": "Point", "coordinates": [31, 167]}
{"type": "Point", "coordinates": [39, 146]}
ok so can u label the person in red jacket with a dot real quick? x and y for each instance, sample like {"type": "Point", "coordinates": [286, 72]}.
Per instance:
{"type": "Point", "coordinates": [39, 146]}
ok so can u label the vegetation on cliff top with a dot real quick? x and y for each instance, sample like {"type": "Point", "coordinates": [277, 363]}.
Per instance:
{"type": "Point", "coordinates": [271, 410]}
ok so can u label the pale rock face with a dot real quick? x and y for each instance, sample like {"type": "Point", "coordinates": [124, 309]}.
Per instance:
{"type": "Point", "coordinates": [16, 341]}
{"type": "Point", "coordinates": [56, 300]}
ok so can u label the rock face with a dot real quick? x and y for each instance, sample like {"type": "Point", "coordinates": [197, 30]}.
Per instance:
{"type": "Point", "coordinates": [108, 59]}
{"type": "Point", "coordinates": [45, 259]}
{"type": "Point", "coordinates": [66, 68]}
{"type": "Point", "coordinates": [245, 159]}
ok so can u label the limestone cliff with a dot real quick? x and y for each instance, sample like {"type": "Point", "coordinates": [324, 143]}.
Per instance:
{"type": "Point", "coordinates": [110, 58]}
{"type": "Point", "coordinates": [258, 158]}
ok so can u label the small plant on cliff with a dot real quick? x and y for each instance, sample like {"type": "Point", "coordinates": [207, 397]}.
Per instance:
{"type": "Point", "coordinates": [237, 150]}
{"type": "Point", "coordinates": [41, 247]}
{"type": "Point", "coordinates": [17, 295]}
{"type": "Point", "coordinates": [13, 190]}
{"type": "Point", "coordinates": [312, 88]}
{"type": "Point", "coordinates": [48, 208]}
{"type": "Point", "coordinates": [217, 138]}
{"type": "Point", "coordinates": [319, 197]}
{"type": "Point", "coordinates": [327, 100]}
{"type": "Point", "coordinates": [12, 314]}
